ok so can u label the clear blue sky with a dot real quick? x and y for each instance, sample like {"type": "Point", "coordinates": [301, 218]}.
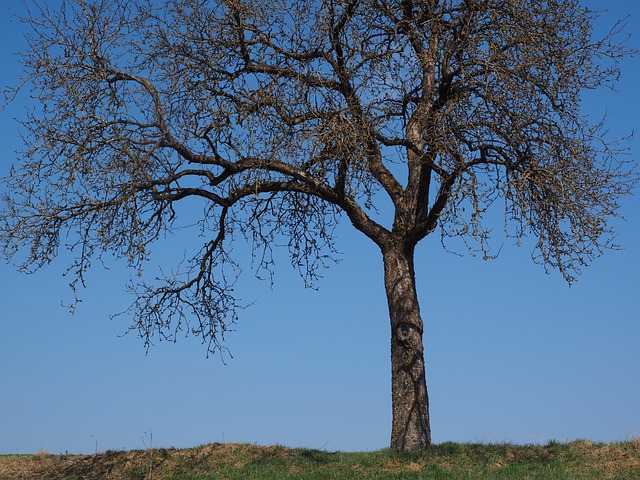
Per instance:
{"type": "Point", "coordinates": [512, 354]}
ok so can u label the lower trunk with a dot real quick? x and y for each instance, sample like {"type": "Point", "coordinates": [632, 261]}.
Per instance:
{"type": "Point", "coordinates": [410, 430]}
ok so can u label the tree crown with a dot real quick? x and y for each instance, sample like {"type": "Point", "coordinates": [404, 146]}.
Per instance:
{"type": "Point", "coordinates": [276, 118]}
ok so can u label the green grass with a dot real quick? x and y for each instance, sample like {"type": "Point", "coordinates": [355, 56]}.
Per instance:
{"type": "Point", "coordinates": [578, 460]}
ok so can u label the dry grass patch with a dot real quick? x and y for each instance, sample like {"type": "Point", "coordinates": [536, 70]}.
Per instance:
{"type": "Point", "coordinates": [611, 460]}
{"type": "Point", "coordinates": [577, 460]}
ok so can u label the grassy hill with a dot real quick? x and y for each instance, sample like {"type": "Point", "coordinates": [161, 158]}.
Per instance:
{"type": "Point", "coordinates": [576, 460]}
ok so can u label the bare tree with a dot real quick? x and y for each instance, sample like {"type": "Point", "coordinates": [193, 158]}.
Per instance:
{"type": "Point", "coordinates": [278, 118]}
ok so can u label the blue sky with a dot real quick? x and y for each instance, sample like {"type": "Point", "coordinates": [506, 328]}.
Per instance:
{"type": "Point", "coordinates": [512, 354]}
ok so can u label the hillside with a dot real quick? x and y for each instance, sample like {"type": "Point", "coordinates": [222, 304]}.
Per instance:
{"type": "Point", "coordinates": [575, 460]}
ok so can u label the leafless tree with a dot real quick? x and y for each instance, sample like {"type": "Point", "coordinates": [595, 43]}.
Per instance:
{"type": "Point", "coordinates": [278, 118]}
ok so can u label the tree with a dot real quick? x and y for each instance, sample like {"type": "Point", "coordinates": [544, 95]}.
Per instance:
{"type": "Point", "coordinates": [279, 118]}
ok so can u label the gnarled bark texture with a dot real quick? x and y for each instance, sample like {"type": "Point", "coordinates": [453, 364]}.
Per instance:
{"type": "Point", "coordinates": [410, 428]}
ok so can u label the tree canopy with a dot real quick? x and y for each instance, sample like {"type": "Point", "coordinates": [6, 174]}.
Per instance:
{"type": "Point", "coordinates": [276, 119]}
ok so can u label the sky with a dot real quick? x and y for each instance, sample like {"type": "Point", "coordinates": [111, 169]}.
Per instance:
{"type": "Point", "coordinates": [512, 354]}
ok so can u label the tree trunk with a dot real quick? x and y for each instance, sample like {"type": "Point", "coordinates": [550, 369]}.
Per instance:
{"type": "Point", "coordinates": [410, 429]}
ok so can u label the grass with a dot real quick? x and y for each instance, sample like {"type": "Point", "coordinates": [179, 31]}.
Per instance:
{"type": "Point", "coordinates": [579, 460]}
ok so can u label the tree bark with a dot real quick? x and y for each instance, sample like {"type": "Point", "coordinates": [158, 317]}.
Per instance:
{"type": "Point", "coordinates": [411, 430]}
